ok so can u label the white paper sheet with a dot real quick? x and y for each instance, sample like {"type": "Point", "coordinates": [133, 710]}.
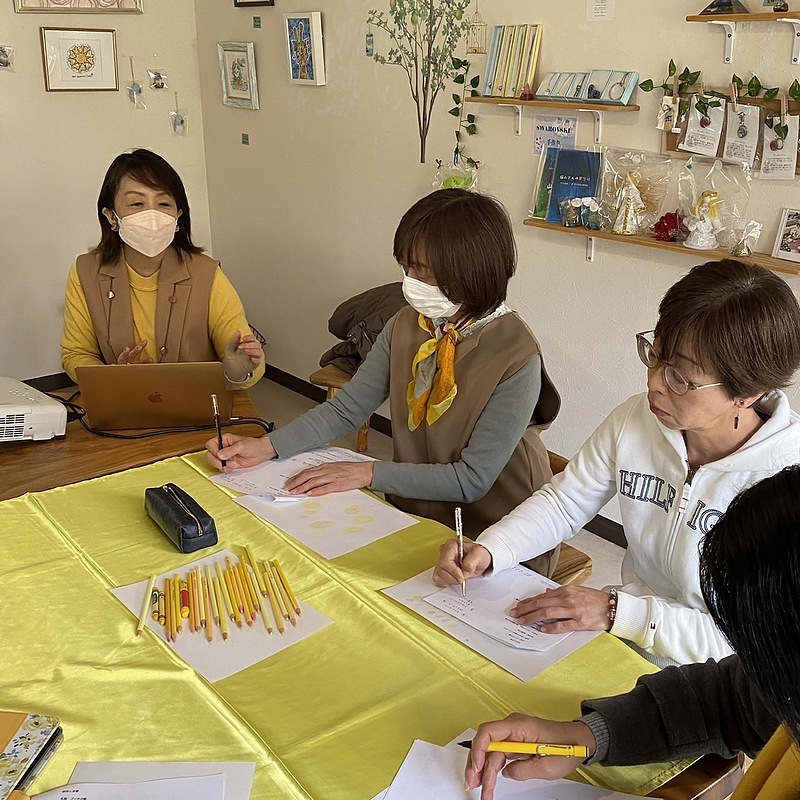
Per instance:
{"type": "Point", "coordinates": [238, 774]}
{"type": "Point", "coordinates": [268, 478]}
{"type": "Point", "coordinates": [779, 165]}
{"type": "Point", "coordinates": [430, 772]}
{"type": "Point", "coordinates": [333, 524]}
{"type": "Point", "coordinates": [208, 787]}
{"type": "Point", "coordinates": [488, 602]}
{"type": "Point", "coordinates": [524, 664]}
{"type": "Point", "coordinates": [246, 646]}
{"type": "Point", "coordinates": [600, 10]}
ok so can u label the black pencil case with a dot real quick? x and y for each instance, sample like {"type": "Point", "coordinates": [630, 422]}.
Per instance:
{"type": "Point", "coordinates": [186, 524]}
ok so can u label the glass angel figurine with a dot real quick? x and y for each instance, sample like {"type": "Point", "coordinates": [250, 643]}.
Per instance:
{"type": "Point", "coordinates": [629, 207]}
{"type": "Point", "coordinates": [703, 223]}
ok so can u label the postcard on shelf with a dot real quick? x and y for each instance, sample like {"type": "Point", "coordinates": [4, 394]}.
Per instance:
{"type": "Point", "coordinates": [544, 182]}
{"type": "Point", "coordinates": [787, 242]}
{"type": "Point", "coordinates": [576, 174]}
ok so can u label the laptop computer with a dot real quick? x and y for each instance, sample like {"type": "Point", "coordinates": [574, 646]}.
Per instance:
{"type": "Point", "coordinates": [121, 397]}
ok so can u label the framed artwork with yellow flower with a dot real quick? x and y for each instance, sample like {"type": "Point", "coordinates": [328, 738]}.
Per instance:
{"type": "Point", "coordinates": [79, 59]}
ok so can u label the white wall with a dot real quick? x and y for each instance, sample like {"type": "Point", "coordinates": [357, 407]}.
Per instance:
{"type": "Point", "coordinates": [304, 216]}
{"type": "Point", "coordinates": [55, 150]}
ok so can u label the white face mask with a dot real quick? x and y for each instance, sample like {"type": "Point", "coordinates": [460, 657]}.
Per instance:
{"type": "Point", "coordinates": [428, 300]}
{"type": "Point", "coordinates": [149, 232]}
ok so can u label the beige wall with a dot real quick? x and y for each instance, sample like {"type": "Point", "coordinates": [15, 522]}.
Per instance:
{"type": "Point", "coordinates": [304, 216]}
{"type": "Point", "coordinates": [55, 150]}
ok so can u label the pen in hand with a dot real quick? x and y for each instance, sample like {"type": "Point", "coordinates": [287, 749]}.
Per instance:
{"type": "Point", "coordinates": [460, 540]}
{"type": "Point", "coordinates": [535, 748]}
{"type": "Point", "coordinates": [217, 425]}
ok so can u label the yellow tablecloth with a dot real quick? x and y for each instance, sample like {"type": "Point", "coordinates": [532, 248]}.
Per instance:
{"type": "Point", "coordinates": [331, 717]}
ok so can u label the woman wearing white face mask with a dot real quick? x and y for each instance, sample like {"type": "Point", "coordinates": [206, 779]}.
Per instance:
{"type": "Point", "coordinates": [146, 293]}
{"type": "Point", "coordinates": [462, 372]}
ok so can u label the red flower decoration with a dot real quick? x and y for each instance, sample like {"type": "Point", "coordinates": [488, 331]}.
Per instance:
{"type": "Point", "coordinates": [666, 229]}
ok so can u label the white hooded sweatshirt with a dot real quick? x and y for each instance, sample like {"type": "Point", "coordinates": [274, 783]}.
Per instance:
{"type": "Point", "coordinates": [660, 606]}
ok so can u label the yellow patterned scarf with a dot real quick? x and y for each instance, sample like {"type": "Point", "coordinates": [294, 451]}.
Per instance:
{"type": "Point", "coordinates": [433, 379]}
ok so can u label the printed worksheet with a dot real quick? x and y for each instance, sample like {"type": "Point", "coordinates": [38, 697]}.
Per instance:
{"type": "Point", "coordinates": [488, 602]}
{"type": "Point", "coordinates": [207, 787]}
{"type": "Point", "coordinates": [268, 479]}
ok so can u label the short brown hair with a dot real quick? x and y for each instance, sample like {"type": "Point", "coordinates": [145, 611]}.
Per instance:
{"type": "Point", "coordinates": [739, 321]}
{"type": "Point", "coordinates": [467, 243]}
{"type": "Point", "coordinates": [156, 172]}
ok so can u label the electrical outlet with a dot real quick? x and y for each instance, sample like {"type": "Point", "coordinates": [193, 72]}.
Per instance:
{"type": "Point", "coordinates": [245, 138]}
{"type": "Point", "coordinates": [256, 22]}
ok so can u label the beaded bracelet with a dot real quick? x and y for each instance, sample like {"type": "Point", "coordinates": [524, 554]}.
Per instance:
{"type": "Point", "coordinates": [612, 606]}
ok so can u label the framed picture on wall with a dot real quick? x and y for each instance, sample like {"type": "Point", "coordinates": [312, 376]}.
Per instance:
{"type": "Point", "coordinates": [77, 6]}
{"type": "Point", "coordinates": [304, 47]}
{"type": "Point", "coordinates": [79, 60]}
{"type": "Point", "coordinates": [246, 3]}
{"type": "Point", "coordinates": [237, 69]}
{"type": "Point", "coordinates": [787, 242]}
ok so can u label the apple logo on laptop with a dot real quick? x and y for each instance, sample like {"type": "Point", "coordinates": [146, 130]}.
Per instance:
{"type": "Point", "coordinates": [156, 397]}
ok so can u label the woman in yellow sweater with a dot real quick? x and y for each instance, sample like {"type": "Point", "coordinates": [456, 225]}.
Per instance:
{"type": "Point", "coordinates": [146, 293]}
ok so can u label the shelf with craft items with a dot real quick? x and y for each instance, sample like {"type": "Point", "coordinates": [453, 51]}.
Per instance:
{"type": "Point", "coordinates": [643, 240]}
{"type": "Point", "coordinates": [729, 22]}
{"type": "Point", "coordinates": [595, 109]}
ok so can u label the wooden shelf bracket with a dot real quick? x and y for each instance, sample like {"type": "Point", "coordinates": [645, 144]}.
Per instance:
{"type": "Point", "coordinates": [795, 23]}
{"type": "Point", "coordinates": [517, 116]}
{"type": "Point", "coordinates": [730, 37]}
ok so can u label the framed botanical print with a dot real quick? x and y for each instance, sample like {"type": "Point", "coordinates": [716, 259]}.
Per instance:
{"type": "Point", "coordinates": [79, 59]}
{"type": "Point", "coordinates": [78, 6]}
{"type": "Point", "coordinates": [304, 47]}
{"type": "Point", "coordinates": [237, 69]}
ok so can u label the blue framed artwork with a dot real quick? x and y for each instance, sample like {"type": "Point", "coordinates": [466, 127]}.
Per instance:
{"type": "Point", "coordinates": [304, 47]}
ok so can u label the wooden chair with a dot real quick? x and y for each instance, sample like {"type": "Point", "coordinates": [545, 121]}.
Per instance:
{"type": "Point", "coordinates": [332, 379]}
{"type": "Point", "coordinates": [574, 566]}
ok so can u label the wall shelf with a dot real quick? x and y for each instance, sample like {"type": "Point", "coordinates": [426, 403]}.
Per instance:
{"type": "Point", "coordinates": [762, 259]}
{"type": "Point", "coordinates": [595, 109]}
{"type": "Point", "coordinates": [729, 22]}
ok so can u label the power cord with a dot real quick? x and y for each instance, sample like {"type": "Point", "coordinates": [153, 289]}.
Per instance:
{"type": "Point", "coordinates": [78, 412]}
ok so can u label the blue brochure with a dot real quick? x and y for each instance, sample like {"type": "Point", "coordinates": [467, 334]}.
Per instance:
{"type": "Point", "coordinates": [576, 174]}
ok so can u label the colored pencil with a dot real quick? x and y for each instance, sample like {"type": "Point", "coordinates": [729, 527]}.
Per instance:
{"type": "Point", "coordinates": [148, 595]}
{"type": "Point", "coordinates": [286, 585]}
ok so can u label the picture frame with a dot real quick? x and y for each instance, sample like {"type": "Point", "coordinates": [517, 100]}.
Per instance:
{"type": "Point", "coordinates": [79, 6]}
{"type": "Point", "coordinates": [79, 59]}
{"type": "Point", "coordinates": [787, 241]}
{"type": "Point", "coordinates": [248, 3]}
{"type": "Point", "coordinates": [304, 54]}
{"type": "Point", "coordinates": [237, 70]}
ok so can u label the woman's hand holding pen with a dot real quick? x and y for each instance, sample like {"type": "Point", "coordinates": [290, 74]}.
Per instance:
{"type": "Point", "coordinates": [572, 608]}
{"type": "Point", "coordinates": [338, 476]}
{"type": "Point", "coordinates": [477, 559]}
{"type": "Point", "coordinates": [483, 767]}
{"type": "Point", "coordinates": [238, 451]}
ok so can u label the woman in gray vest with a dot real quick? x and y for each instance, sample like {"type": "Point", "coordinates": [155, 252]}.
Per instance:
{"type": "Point", "coordinates": [463, 374]}
{"type": "Point", "coordinates": [146, 292]}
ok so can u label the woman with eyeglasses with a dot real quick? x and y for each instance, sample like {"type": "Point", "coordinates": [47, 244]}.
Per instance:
{"type": "Point", "coordinates": [712, 422]}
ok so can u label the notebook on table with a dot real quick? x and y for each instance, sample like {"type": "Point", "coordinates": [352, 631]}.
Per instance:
{"type": "Point", "coordinates": [27, 741]}
{"type": "Point", "coordinates": [125, 396]}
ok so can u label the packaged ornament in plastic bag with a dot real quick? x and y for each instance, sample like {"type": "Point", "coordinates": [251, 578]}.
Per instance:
{"type": "Point", "coordinates": [463, 175]}
{"type": "Point", "coordinates": [744, 236]}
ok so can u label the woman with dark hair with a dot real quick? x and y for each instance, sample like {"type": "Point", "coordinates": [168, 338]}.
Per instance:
{"type": "Point", "coordinates": [712, 422]}
{"type": "Point", "coordinates": [462, 372]}
{"type": "Point", "coordinates": [146, 292]}
{"type": "Point", "coordinates": [748, 702]}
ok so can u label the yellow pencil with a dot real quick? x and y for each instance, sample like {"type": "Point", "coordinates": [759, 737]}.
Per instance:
{"type": "Point", "coordinates": [241, 599]}
{"type": "Point", "coordinates": [287, 604]}
{"type": "Point", "coordinates": [162, 618]}
{"type": "Point", "coordinates": [260, 600]}
{"type": "Point", "coordinates": [192, 603]}
{"type": "Point", "coordinates": [167, 610]}
{"type": "Point", "coordinates": [292, 598]}
{"type": "Point", "coordinates": [176, 594]}
{"type": "Point", "coordinates": [148, 596]}
{"type": "Point", "coordinates": [171, 623]}
{"type": "Point", "coordinates": [236, 594]}
{"type": "Point", "coordinates": [201, 606]}
{"type": "Point", "coordinates": [223, 617]}
{"type": "Point", "coordinates": [207, 611]}
{"type": "Point", "coordinates": [196, 592]}
{"type": "Point", "coordinates": [223, 590]}
{"type": "Point", "coordinates": [251, 592]}
{"type": "Point", "coordinates": [259, 580]}
{"type": "Point", "coordinates": [273, 600]}
{"type": "Point", "coordinates": [244, 583]}
{"type": "Point", "coordinates": [277, 583]}
{"type": "Point", "coordinates": [214, 606]}
{"type": "Point", "coordinates": [234, 600]}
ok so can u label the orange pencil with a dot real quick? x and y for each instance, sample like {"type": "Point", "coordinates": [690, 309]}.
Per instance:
{"type": "Point", "coordinates": [223, 617]}
{"type": "Point", "coordinates": [273, 599]}
{"type": "Point", "coordinates": [207, 611]}
{"type": "Point", "coordinates": [284, 596]}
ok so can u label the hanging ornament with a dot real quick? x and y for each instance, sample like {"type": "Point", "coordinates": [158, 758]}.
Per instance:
{"type": "Point", "coordinates": [476, 34]}
{"type": "Point", "coordinates": [369, 43]}
{"type": "Point", "coordinates": [135, 90]}
{"type": "Point", "coordinates": [177, 119]}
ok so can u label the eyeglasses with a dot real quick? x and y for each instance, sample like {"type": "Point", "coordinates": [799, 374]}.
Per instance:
{"type": "Point", "coordinates": [676, 383]}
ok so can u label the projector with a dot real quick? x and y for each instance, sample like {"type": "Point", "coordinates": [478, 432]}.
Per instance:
{"type": "Point", "coordinates": [28, 415]}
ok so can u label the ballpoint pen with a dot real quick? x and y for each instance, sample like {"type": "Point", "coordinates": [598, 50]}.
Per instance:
{"type": "Point", "coordinates": [217, 425]}
{"type": "Point", "coordinates": [460, 540]}
{"type": "Point", "coordinates": [536, 748]}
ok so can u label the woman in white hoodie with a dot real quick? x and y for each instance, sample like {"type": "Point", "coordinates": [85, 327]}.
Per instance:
{"type": "Point", "coordinates": [712, 423]}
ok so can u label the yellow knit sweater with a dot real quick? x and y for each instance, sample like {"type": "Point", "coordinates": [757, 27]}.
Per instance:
{"type": "Point", "coordinates": [775, 774]}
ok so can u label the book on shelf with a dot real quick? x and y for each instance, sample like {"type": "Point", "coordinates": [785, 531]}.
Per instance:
{"type": "Point", "coordinates": [491, 61]}
{"type": "Point", "coordinates": [502, 62]}
{"type": "Point", "coordinates": [511, 63]}
{"type": "Point", "coordinates": [576, 174]}
{"type": "Point", "coordinates": [529, 67]}
{"type": "Point", "coordinates": [516, 61]}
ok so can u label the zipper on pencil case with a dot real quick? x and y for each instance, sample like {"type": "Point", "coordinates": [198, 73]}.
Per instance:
{"type": "Point", "coordinates": [171, 491]}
